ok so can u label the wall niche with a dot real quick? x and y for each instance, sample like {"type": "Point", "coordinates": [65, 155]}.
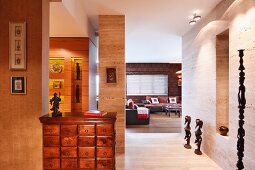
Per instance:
{"type": "Point", "coordinates": [222, 80]}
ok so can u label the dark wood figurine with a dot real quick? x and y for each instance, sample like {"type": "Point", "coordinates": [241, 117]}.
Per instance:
{"type": "Point", "coordinates": [241, 106]}
{"type": "Point", "coordinates": [198, 133]}
{"type": "Point", "coordinates": [187, 132]}
{"type": "Point", "coordinates": [54, 101]}
{"type": "Point", "coordinates": [77, 93]}
{"type": "Point", "coordinates": [78, 71]}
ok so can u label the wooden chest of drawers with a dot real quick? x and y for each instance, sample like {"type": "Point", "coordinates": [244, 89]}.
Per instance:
{"type": "Point", "coordinates": [78, 142]}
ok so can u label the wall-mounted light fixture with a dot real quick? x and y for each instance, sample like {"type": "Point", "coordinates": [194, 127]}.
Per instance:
{"type": "Point", "coordinates": [194, 19]}
{"type": "Point", "coordinates": [179, 76]}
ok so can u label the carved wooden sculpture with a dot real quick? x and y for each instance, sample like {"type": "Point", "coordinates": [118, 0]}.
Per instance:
{"type": "Point", "coordinates": [78, 71]}
{"type": "Point", "coordinates": [241, 106]}
{"type": "Point", "coordinates": [187, 132]}
{"type": "Point", "coordinates": [198, 133]}
{"type": "Point", "coordinates": [54, 101]}
{"type": "Point", "coordinates": [77, 93]}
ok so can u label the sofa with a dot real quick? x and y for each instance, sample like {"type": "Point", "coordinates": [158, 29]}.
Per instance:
{"type": "Point", "coordinates": [163, 102]}
{"type": "Point", "coordinates": [132, 118]}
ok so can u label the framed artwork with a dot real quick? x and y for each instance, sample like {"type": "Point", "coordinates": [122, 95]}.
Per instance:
{"type": "Point", "coordinates": [17, 45]}
{"type": "Point", "coordinates": [56, 65]}
{"type": "Point", "coordinates": [18, 85]}
{"type": "Point", "coordinates": [111, 75]}
{"type": "Point", "coordinates": [56, 84]}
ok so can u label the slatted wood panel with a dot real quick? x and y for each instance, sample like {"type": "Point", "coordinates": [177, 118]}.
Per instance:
{"type": "Point", "coordinates": [112, 54]}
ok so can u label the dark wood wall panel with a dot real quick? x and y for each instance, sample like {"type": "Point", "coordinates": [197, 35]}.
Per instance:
{"type": "Point", "coordinates": [158, 68]}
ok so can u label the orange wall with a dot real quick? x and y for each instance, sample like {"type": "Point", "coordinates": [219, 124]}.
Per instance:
{"type": "Point", "coordinates": [61, 47]}
{"type": "Point", "coordinates": [20, 129]}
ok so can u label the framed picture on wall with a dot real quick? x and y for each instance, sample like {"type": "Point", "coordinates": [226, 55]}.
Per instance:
{"type": "Point", "coordinates": [17, 45]}
{"type": "Point", "coordinates": [18, 85]}
{"type": "Point", "coordinates": [111, 75]}
{"type": "Point", "coordinates": [56, 84]}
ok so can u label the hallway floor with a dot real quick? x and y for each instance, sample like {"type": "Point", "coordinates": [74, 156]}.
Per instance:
{"type": "Point", "coordinates": [161, 151]}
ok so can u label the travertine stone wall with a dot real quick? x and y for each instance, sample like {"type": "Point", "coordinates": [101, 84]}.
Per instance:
{"type": "Point", "coordinates": [112, 54]}
{"type": "Point", "coordinates": [199, 79]}
{"type": "Point", "coordinates": [20, 128]}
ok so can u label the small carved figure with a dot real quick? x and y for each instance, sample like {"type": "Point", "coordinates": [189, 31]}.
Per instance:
{"type": "Point", "coordinates": [77, 93]}
{"type": "Point", "coordinates": [187, 132]}
{"type": "Point", "coordinates": [78, 71]}
{"type": "Point", "coordinates": [54, 101]}
{"type": "Point", "coordinates": [198, 133]}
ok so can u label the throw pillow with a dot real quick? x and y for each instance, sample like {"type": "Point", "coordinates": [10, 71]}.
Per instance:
{"type": "Point", "coordinates": [172, 100]}
{"type": "Point", "coordinates": [154, 100]}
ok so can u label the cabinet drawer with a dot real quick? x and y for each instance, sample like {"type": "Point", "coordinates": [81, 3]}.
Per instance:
{"type": "Point", "coordinates": [51, 163]}
{"type": "Point", "coordinates": [69, 163]}
{"type": "Point", "coordinates": [69, 141]}
{"type": "Point", "coordinates": [87, 163]}
{"type": "Point", "coordinates": [51, 152]}
{"type": "Point", "coordinates": [104, 141]}
{"type": "Point", "coordinates": [87, 141]}
{"type": "Point", "coordinates": [51, 141]}
{"type": "Point", "coordinates": [86, 130]}
{"type": "Point", "coordinates": [104, 153]}
{"type": "Point", "coordinates": [51, 130]}
{"type": "Point", "coordinates": [104, 129]}
{"type": "Point", "coordinates": [69, 152]}
{"type": "Point", "coordinates": [104, 164]}
{"type": "Point", "coordinates": [87, 152]}
{"type": "Point", "coordinates": [69, 130]}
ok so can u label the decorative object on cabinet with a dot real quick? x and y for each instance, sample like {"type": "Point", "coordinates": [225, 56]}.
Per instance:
{"type": "Point", "coordinates": [56, 84]}
{"type": "Point", "coordinates": [198, 134]}
{"type": "Point", "coordinates": [17, 45]}
{"type": "Point", "coordinates": [94, 113]}
{"type": "Point", "coordinates": [241, 106]}
{"type": "Point", "coordinates": [77, 142]}
{"type": "Point", "coordinates": [78, 71]}
{"type": "Point", "coordinates": [77, 93]}
{"type": "Point", "coordinates": [54, 101]}
{"type": "Point", "coordinates": [18, 85]}
{"type": "Point", "coordinates": [56, 65]}
{"type": "Point", "coordinates": [111, 75]}
{"type": "Point", "coordinates": [223, 130]}
{"type": "Point", "coordinates": [187, 132]}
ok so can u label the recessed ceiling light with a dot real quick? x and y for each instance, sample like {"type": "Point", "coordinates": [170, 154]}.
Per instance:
{"type": "Point", "coordinates": [197, 18]}
{"type": "Point", "coordinates": [192, 22]}
{"type": "Point", "coordinates": [194, 19]}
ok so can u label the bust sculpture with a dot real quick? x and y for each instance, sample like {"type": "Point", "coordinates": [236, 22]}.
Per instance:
{"type": "Point", "coordinates": [54, 101]}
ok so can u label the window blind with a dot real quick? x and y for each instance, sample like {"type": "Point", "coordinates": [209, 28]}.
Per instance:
{"type": "Point", "coordinates": [147, 84]}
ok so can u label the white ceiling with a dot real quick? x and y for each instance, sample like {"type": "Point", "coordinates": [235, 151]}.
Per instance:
{"type": "Point", "coordinates": [153, 27]}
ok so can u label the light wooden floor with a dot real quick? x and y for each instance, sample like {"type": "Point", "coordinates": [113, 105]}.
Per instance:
{"type": "Point", "coordinates": [160, 151]}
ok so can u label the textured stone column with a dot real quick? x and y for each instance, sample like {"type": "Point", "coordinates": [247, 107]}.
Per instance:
{"type": "Point", "coordinates": [112, 54]}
